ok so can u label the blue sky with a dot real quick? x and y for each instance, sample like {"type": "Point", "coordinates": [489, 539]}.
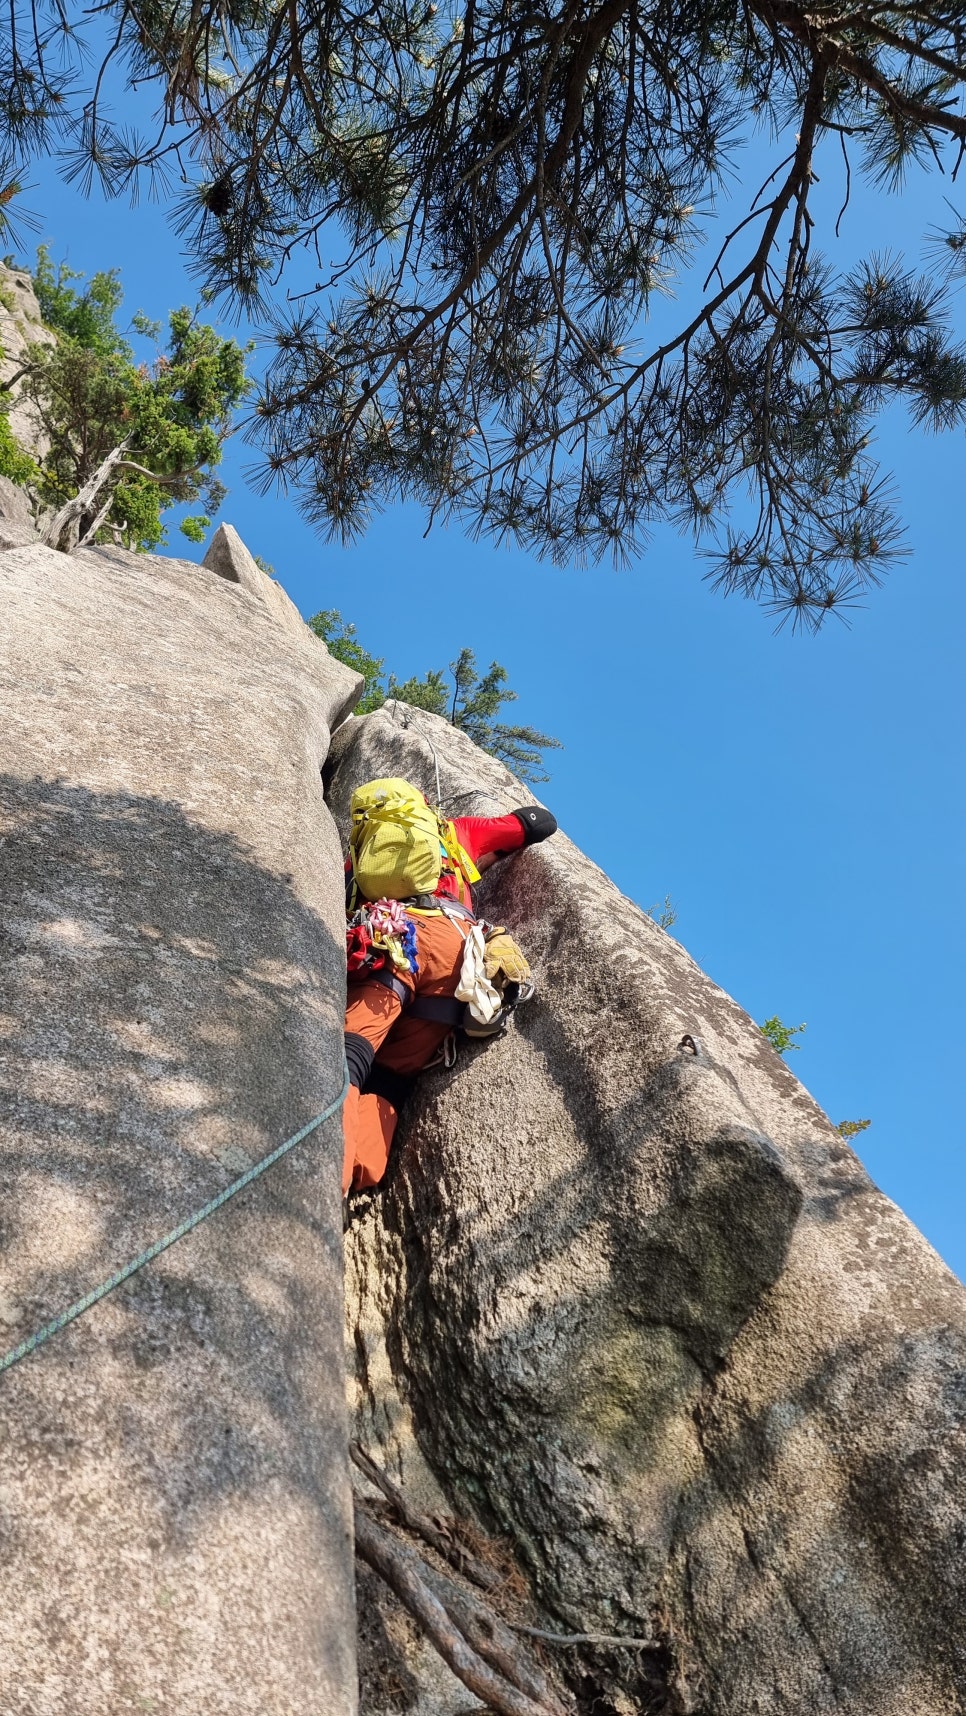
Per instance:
{"type": "Point", "coordinates": [801, 799]}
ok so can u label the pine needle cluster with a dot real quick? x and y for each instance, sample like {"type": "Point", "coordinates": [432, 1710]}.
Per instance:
{"type": "Point", "coordinates": [509, 186]}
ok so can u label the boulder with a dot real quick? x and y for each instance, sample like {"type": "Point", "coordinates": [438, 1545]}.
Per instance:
{"type": "Point", "coordinates": [175, 1526]}
{"type": "Point", "coordinates": [630, 1302]}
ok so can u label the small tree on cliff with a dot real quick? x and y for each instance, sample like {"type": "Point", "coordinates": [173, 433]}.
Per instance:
{"type": "Point", "coordinates": [508, 192]}
{"type": "Point", "coordinates": [339, 637]}
{"type": "Point", "coordinates": [127, 439]}
{"type": "Point", "coordinates": [472, 702]}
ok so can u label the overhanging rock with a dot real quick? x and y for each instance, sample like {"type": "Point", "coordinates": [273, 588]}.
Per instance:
{"type": "Point", "coordinates": [174, 1507]}
{"type": "Point", "coordinates": [646, 1315]}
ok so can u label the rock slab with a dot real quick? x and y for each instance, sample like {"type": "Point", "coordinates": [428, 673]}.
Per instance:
{"type": "Point", "coordinates": [175, 1529]}
{"type": "Point", "coordinates": [16, 517]}
{"type": "Point", "coordinates": [630, 1300]}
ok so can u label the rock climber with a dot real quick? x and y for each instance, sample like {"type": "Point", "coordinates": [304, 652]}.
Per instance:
{"type": "Point", "coordinates": [398, 1016]}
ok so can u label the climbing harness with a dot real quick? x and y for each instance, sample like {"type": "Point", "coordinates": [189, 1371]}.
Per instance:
{"type": "Point", "coordinates": [185, 1227]}
{"type": "Point", "coordinates": [494, 979]}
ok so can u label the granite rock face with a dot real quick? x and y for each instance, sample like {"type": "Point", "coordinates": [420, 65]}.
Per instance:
{"type": "Point", "coordinates": [21, 326]}
{"type": "Point", "coordinates": [17, 528]}
{"type": "Point", "coordinates": [630, 1300]}
{"type": "Point", "coordinates": [228, 556]}
{"type": "Point", "coordinates": [175, 1528]}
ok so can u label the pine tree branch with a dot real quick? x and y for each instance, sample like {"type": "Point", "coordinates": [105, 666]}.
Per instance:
{"type": "Point", "coordinates": [750, 275]}
{"type": "Point", "coordinates": [593, 35]}
{"type": "Point", "coordinates": [902, 44]}
{"type": "Point", "coordinates": [813, 36]}
{"type": "Point", "coordinates": [546, 168]}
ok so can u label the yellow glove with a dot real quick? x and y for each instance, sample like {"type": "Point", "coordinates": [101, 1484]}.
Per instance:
{"type": "Point", "coordinates": [504, 960]}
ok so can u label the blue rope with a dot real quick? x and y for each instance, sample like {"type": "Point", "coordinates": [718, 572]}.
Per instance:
{"type": "Point", "coordinates": [187, 1226]}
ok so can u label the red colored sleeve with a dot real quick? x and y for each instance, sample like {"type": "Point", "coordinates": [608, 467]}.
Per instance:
{"type": "Point", "coordinates": [479, 835]}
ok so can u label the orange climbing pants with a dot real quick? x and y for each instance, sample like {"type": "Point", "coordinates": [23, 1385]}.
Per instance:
{"type": "Point", "coordinates": [402, 1045]}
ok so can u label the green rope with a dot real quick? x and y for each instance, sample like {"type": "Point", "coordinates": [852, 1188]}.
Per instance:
{"type": "Point", "coordinates": [187, 1226]}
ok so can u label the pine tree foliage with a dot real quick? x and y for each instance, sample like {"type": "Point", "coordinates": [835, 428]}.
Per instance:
{"type": "Point", "coordinates": [512, 189]}
{"type": "Point", "coordinates": [472, 702]}
{"type": "Point", "coordinates": [91, 397]}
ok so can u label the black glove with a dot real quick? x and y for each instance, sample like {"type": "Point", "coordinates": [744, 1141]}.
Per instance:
{"type": "Point", "coordinates": [538, 824]}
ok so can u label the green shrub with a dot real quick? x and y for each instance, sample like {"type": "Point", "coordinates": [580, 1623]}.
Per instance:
{"type": "Point", "coordinates": [15, 462]}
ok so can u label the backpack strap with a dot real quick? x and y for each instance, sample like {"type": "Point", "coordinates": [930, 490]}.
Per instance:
{"type": "Point", "coordinates": [461, 864]}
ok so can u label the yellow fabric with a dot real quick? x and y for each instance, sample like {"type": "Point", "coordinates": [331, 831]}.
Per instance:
{"type": "Point", "coordinates": [505, 960]}
{"type": "Point", "coordinates": [466, 871]}
{"type": "Point", "coordinates": [396, 841]}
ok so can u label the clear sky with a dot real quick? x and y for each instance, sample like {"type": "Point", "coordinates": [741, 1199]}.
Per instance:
{"type": "Point", "coordinates": [801, 799]}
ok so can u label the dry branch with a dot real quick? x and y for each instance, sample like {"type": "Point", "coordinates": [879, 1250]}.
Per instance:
{"type": "Point", "coordinates": [64, 527]}
{"type": "Point", "coordinates": [429, 1530]}
{"type": "Point", "coordinates": [403, 1572]}
{"type": "Point", "coordinates": [494, 1640]}
{"type": "Point", "coordinates": [584, 1638]}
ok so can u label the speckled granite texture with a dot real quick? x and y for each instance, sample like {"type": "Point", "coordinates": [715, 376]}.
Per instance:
{"type": "Point", "coordinates": [21, 326]}
{"type": "Point", "coordinates": [174, 1510]}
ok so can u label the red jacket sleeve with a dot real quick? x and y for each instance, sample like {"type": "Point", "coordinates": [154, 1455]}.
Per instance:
{"type": "Point", "coordinates": [479, 835]}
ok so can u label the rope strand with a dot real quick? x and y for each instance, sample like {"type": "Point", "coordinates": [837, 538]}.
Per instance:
{"type": "Point", "coordinates": [187, 1226]}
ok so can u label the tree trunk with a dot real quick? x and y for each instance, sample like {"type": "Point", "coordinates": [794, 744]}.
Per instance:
{"type": "Point", "coordinates": [67, 526]}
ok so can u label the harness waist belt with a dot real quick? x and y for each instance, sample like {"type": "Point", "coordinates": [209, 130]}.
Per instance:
{"type": "Point", "coordinates": [439, 1009]}
{"type": "Point", "coordinates": [440, 903]}
{"type": "Point", "coordinates": [389, 980]}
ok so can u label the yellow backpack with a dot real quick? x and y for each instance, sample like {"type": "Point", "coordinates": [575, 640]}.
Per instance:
{"type": "Point", "coordinates": [399, 844]}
